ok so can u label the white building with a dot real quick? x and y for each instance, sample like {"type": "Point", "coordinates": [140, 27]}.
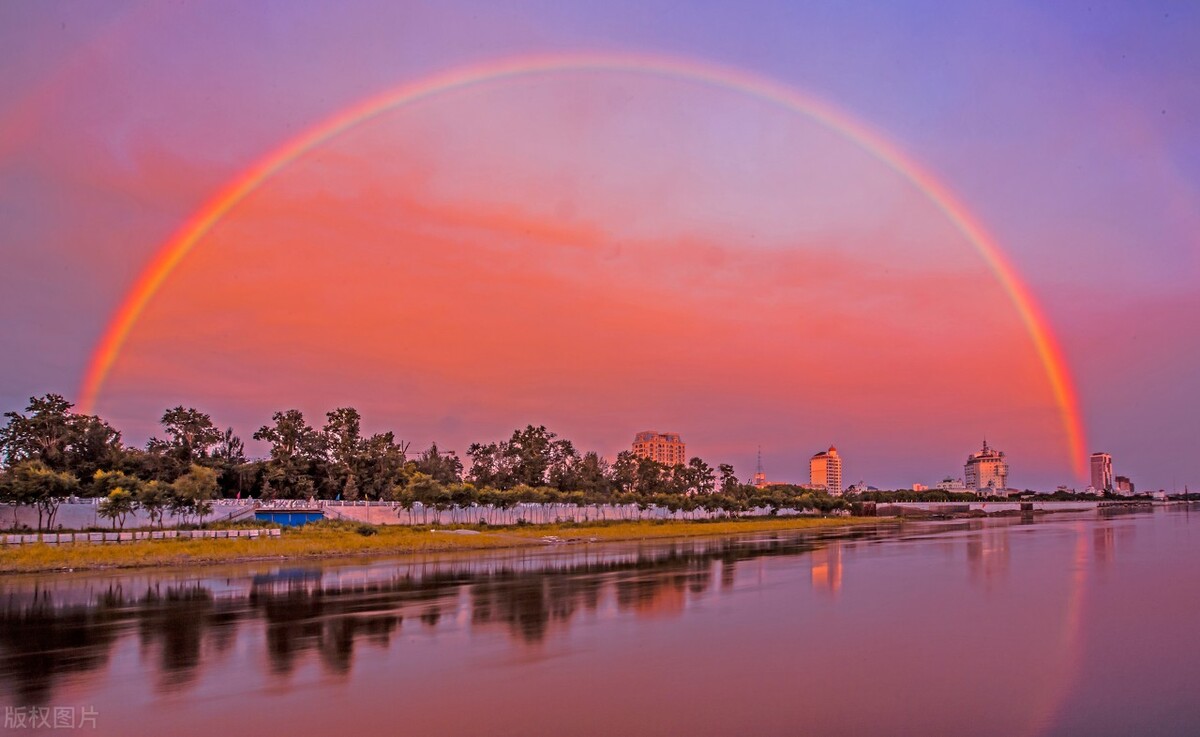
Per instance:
{"type": "Point", "coordinates": [986, 471]}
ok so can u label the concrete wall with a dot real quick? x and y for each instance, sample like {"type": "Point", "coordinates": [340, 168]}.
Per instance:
{"type": "Point", "coordinates": [394, 514]}
{"type": "Point", "coordinates": [899, 508]}
{"type": "Point", "coordinates": [84, 514]}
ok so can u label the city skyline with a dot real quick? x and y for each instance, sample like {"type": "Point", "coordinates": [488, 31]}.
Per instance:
{"type": "Point", "coordinates": [712, 220]}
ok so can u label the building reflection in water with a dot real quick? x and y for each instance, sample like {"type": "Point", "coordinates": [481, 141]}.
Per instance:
{"type": "Point", "coordinates": [1103, 539]}
{"type": "Point", "coordinates": [827, 568]}
{"type": "Point", "coordinates": [988, 555]}
{"type": "Point", "coordinates": [65, 627]}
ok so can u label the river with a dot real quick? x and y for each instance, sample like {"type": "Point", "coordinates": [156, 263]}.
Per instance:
{"type": "Point", "coordinates": [1070, 624]}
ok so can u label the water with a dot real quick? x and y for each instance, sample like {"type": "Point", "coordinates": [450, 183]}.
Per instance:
{"type": "Point", "coordinates": [1063, 625]}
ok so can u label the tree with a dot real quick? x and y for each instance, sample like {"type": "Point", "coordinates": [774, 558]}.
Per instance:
{"type": "Point", "coordinates": [290, 436]}
{"type": "Point", "coordinates": [343, 443]}
{"type": "Point", "coordinates": [49, 432]}
{"type": "Point", "coordinates": [296, 450]}
{"type": "Point", "coordinates": [592, 476]}
{"type": "Point", "coordinates": [105, 482]}
{"type": "Point", "coordinates": [651, 477]}
{"type": "Point", "coordinates": [192, 493]}
{"type": "Point", "coordinates": [8, 492]}
{"type": "Point", "coordinates": [154, 497]}
{"type": "Point", "coordinates": [93, 445]}
{"type": "Point", "coordinates": [424, 489]}
{"type": "Point", "coordinates": [41, 433]}
{"type": "Point", "coordinates": [492, 465]}
{"type": "Point", "coordinates": [230, 449]}
{"type": "Point", "coordinates": [529, 451]}
{"type": "Point", "coordinates": [624, 472]}
{"type": "Point", "coordinates": [562, 468]}
{"type": "Point", "coordinates": [445, 468]}
{"type": "Point", "coordinates": [350, 490]}
{"type": "Point", "coordinates": [117, 506]}
{"type": "Point", "coordinates": [729, 482]}
{"type": "Point", "coordinates": [190, 434]}
{"type": "Point", "coordinates": [35, 484]}
{"type": "Point", "coordinates": [381, 465]}
{"type": "Point", "coordinates": [701, 479]}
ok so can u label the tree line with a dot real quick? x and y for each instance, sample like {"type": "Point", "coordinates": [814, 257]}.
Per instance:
{"type": "Point", "coordinates": [49, 453]}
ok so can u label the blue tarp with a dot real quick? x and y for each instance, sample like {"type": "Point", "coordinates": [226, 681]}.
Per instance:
{"type": "Point", "coordinates": [288, 519]}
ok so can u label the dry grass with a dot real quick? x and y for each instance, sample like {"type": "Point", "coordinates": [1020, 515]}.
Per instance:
{"type": "Point", "coordinates": [341, 539]}
{"type": "Point", "coordinates": [648, 530]}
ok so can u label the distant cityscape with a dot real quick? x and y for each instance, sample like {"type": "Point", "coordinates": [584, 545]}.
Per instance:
{"type": "Point", "coordinates": [985, 472]}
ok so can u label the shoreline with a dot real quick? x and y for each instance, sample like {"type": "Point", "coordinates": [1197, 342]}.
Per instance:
{"type": "Point", "coordinates": [328, 542]}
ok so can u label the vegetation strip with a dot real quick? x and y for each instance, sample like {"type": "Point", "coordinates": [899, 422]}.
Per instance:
{"type": "Point", "coordinates": [337, 539]}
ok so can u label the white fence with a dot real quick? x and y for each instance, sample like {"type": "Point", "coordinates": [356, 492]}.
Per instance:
{"type": "Point", "coordinates": [70, 538]}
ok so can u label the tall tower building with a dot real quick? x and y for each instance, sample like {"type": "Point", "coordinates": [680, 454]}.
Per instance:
{"type": "Point", "coordinates": [986, 470]}
{"type": "Point", "coordinates": [1102, 473]}
{"type": "Point", "coordinates": [760, 476]}
{"type": "Point", "coordinates": [665, 447]}
{"type": "Point", "coordinates": [825, 471]}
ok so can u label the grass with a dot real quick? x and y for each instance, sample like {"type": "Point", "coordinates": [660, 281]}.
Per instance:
{"type": "Point", "coordinates": [334, 539]}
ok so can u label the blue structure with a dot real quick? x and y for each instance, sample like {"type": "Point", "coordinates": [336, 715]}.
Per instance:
{"type": "Point", "coordinates": [288, 517]}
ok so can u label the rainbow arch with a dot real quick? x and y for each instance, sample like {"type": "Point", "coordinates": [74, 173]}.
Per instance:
{"type": "Point", "coordinates": [174, 250]}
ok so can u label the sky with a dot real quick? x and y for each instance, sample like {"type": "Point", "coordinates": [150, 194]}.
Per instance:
{"type": "Point", "coordinates": [606, 248]}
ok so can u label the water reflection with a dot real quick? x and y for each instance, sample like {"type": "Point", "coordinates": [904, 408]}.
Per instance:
{"type": "Point", "coordinates": [41, 642]}
{"type": "Point", "coordinates": [827, 568]}
{"type": "Point", "coordinates": [71, 625]}
{"type": "Point", "coordinates": [988, 553]}
{"type": "Point", "coordinates": [952, 624]}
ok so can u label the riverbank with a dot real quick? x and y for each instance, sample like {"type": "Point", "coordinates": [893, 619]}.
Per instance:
{"type": "Point", "coordinates": [332, 540]}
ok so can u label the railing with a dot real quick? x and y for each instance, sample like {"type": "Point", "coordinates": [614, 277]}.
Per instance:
{"type": "Point", "coordinates": [66, 538]}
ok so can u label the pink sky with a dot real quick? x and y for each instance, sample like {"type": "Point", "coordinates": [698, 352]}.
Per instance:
{"type": "Point", "coordinates": [606, 253]}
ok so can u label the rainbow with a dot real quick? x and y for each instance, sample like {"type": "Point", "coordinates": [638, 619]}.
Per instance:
{"type": "Point", "coordinates": [173, 252]}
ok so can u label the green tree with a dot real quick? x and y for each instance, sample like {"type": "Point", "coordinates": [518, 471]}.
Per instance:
{"type": "Point", "coordinates": [651, 477]}
{"type": "Point", "coordinates": [235, 473]}
{"type": "Point", "coordinates": [624, 472]}
{"type": "Point", "coordinates": [729, 482]}
{"type": "Point", "coordinates": [592, 476]}
{"type": "Point", "coordinates": [230, 448]}
{"type": "Point", "coordinates": [296, 451]}
{"type": "Point", "coordinates": [193, 492]}
{"type": "Point", "coordinates": [381, 465]}
{"type": "Point", "coordinates": [118, 505]}
{"type": "Point", "coordinates": [155, 498]}
{"type": "Point", "coordinates": [488, 466]}
{"type": "Point", "coordinates": [350, 490]}
{"type": "Point", "coordinates": [35, 484]}
{"type": "Point", "coordinates": [343, 443]}
{"type": "Point", "coordinates": [49, 432]}
{"type": "Point", "coordinates": [290, 436]}
{"type": "Point", "coordinates": [41, 433]}
{"type": "Point", "coordinates": [699, 477]}
{"type": "Point", "coordinates": [94, 444]}
{"type": "Point", "coordinates": [445, 468]}
{"type": "Point", "coordinates": [530, 451]}
{"type": "Point", "coordinates": [105, 482]}
{"type": "Point", "coordinates": [562, 466]}
{"type": "Point", "coordinates": [191, 434]}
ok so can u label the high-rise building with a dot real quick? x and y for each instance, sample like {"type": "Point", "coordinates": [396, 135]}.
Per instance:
{"type": "Point", "coordinates": [664, 447]}
{"type": "Point", "coordinates": [1123, 486]}
{"type": "Point", "coordinates": [1102, 473]}
{"type": "Point", "coordinates": [825, 471]}
{"type": "Point", "coordinates": [986, 470]}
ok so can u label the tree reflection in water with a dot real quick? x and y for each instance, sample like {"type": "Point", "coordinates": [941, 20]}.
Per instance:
{"type": "Point", "coordinates": [62, 627]}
